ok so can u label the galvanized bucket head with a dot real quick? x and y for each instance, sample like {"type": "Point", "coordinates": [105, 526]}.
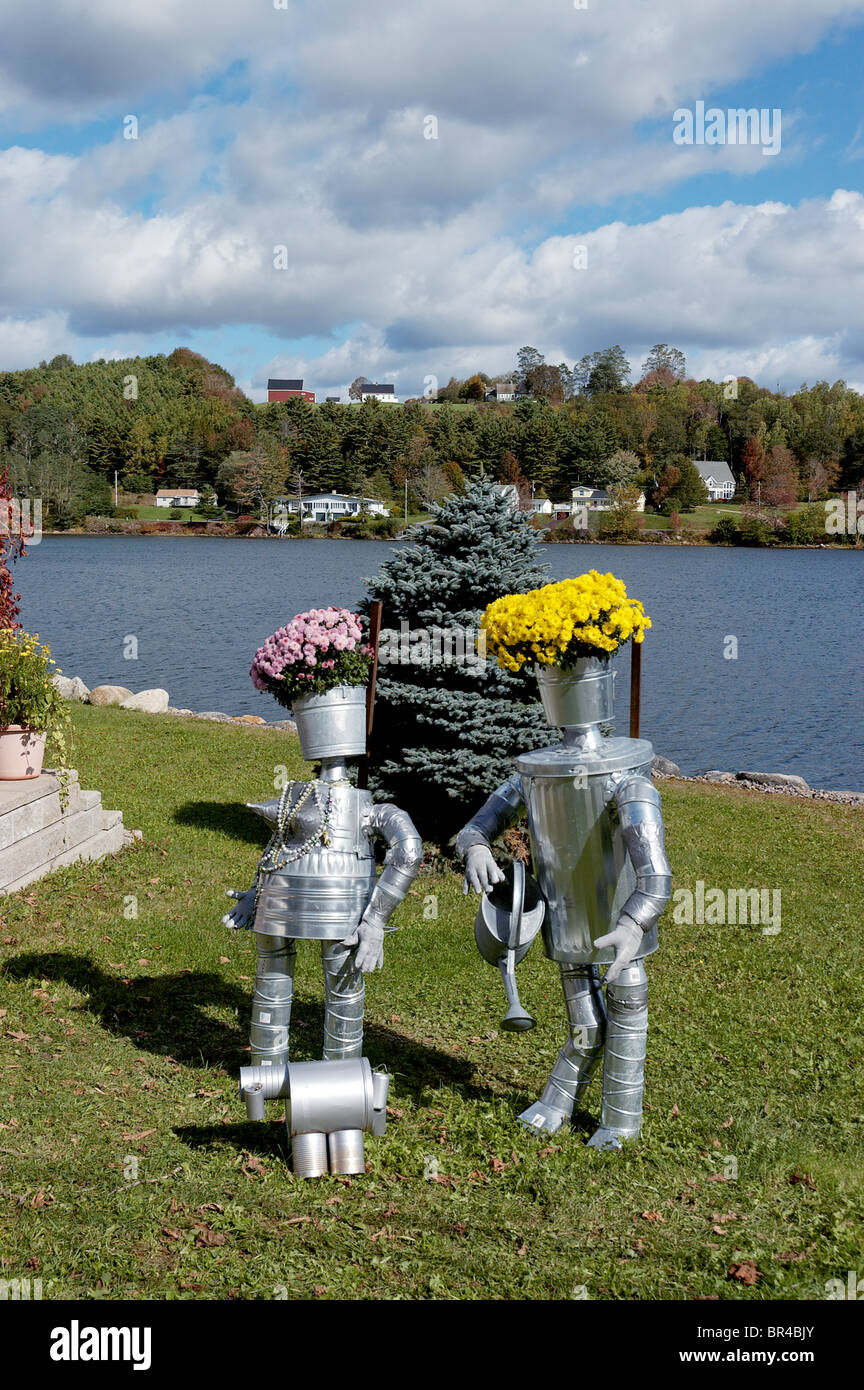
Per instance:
{"type": "Point", "coordinates": [510, 916]}
{"type": "Point", "coordinates": [580, 696]}
{"type": "Point", "coordinates": [332, 725]}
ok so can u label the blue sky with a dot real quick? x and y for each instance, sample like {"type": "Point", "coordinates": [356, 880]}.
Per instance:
{"type": "Point", "coordinates": [412, 257]}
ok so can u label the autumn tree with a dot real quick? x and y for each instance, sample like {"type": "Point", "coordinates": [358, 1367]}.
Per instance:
{"type": "Point", "coordinates": [663, 358]}
{"type": "Point", "coordinates": [256, 477]}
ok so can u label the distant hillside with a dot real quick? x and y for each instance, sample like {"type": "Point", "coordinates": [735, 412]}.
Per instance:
{"type": "Point", "coordinates": [151, 418]}
{"type": "Point", "coordinates": [180, 421]}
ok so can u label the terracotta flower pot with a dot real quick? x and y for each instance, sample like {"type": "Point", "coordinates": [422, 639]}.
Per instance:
{"type": "Point", "coordinates": [21, 753]}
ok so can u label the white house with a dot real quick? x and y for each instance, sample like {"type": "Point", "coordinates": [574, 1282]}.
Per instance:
{"type": "Point", "coordinates": [501, 391]}
{"type": "Point", "coordinates": [178, 497]}
{"type": "Point", "coordinates": [328, 506]}
{"type": "Point", "coordinates": [717, 477]}
{"type": "Point", "coordinates": [598, 499]}
{"type": "Point", "coordinates": [374, 391]}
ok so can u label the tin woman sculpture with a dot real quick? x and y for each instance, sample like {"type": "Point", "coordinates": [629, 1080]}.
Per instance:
{"type": "Point", "coordinates": [316, 879]}
{"type": "Point", "coordinates": [597, 841]}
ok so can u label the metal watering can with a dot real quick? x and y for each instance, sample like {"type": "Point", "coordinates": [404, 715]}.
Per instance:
{"type": "Point", "coordinates": [507, 922]}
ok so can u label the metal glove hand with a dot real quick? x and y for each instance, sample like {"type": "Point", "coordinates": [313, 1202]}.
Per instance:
{"type": "Point", "coordinates": [369, 940]}
{"type": "Point", "coordinates": [481, 871]}
{"type": "Point", "coordinates": [242, 913]}
{"type": "Point", "coordinates": [626, 939]}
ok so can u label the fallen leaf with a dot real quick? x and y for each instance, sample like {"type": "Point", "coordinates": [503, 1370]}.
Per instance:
{"type": "Point", "coordinates": [674, 1112]}
{"type": "Point", "coordinates": [653, 1216]}
{"type": "Point", "coordinates": [804, 1178]}
{"type": "Point", "coordinates": [207, 1236]}
{"type": "Point", "coordinates": [746, 1271]}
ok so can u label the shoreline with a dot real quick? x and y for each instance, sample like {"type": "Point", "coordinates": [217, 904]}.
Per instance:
{"type": "Point", "coordinates": [662, 539]}
{"type": "Point", "coordinates": [662, 768]}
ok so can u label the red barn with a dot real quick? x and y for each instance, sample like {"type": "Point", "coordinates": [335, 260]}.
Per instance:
{"type": "Point", "coordinates": [279, 389]}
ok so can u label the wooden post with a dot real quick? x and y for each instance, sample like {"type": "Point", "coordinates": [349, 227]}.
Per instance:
{"type": "Point", "coordinates": [375, 609]}
{"type": "Point", "coordinates": [635, 687]}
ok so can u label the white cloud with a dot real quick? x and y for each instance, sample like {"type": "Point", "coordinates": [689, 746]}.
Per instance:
{"type": "Point", "coordinates": [437, 249]}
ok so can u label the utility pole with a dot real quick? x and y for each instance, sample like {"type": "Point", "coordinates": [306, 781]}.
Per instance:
{"type": "Point", "coordinates": [406, 500]}
{"type": "Point", "coordinates": [115, 487]}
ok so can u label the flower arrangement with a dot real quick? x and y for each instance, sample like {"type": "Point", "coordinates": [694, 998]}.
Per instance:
{"type": "Point", "coordinates": [29, 699]}
{"type": "Point", "coordinates": [312, 654]}
{"type": "Point", "coordinates": [559, 623]}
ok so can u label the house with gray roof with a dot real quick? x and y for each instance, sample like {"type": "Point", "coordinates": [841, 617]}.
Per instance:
{"type": "Point", "coordinates": [717, 477]}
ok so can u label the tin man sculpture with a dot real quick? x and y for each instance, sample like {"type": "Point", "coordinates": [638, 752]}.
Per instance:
{"type": "Point", "coordinates": [597, 842]}
{"type": "Point", "coordinates": [317, 881]}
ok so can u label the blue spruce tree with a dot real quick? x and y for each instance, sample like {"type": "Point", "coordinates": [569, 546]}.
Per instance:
{"type": "Point", "coordinates": [448, 727]}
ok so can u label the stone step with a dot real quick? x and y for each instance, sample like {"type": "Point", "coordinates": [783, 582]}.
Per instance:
{"type": "Point", "coordinates": [32, 816]}
{"type": "Point", "coordinates": [15, 794]}
{"type": "Point", "coordinates": [111, 818]}
{"type": "Point", "coordinates": [94, 847]}
{"type": "Point", "coordinates": [43, 846]}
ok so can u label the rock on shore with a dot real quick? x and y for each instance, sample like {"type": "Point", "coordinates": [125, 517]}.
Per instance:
{"type": "Point", "coordinates": [109, 694]}
{"type": "Point", "coordinates": [147, 701]}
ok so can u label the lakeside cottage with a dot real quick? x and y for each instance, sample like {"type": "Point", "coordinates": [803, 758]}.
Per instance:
{"type": "Point", "coordinates": [597, 499]}
{"type": "Point", "coordinates": [717, 477]}
{"type": "Point", "coordinates": [178, 497]}
{"type": "Point", "coordinates": [322, 507]}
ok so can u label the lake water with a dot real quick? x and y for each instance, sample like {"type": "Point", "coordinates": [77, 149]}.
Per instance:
{"type": "Point", "coordinates": [792, 701]}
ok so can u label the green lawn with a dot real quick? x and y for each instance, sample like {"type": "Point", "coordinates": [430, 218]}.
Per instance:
{"type": "Point", "coordinates": [154, 513]}
{"type": "Point", "coordinates": [127, 1168]}
{"type": "Point", "coordinates": [703, 518]}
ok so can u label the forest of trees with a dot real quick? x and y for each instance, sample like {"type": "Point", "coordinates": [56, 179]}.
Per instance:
{"type": "Point", "coordinates": [180, 420]}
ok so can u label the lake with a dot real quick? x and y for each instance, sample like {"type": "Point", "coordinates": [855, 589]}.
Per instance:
{"type": "Point", "coordinates": [790, 702]}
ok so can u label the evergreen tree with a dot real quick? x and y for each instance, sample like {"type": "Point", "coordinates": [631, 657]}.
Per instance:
{"type": "Point", "coordinates": [447, 732]}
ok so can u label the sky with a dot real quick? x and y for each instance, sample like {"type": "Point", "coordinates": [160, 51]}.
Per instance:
{"type": "Point", "coordinates": [413, 192]}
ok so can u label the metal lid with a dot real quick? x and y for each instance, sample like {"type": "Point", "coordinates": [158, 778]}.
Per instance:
{"type": "Point", "coordinates": [617, 755]}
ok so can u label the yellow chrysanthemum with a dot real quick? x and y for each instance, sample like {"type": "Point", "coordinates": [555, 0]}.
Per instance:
{"type": "Point", "coordinates": [559, 622]}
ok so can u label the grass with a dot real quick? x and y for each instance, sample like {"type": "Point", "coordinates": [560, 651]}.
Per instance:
{"type": "Point", "coordinates": [705, 518]}
{"type": "Point", "coordinates": [154, 513]}
{"type": "Point", "coordinates": [127, 1168]}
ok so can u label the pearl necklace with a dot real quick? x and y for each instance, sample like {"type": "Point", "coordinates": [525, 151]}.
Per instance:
{"type": "Point", "coordinates": [278, 855]}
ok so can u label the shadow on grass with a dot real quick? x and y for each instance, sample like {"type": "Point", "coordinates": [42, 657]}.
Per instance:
{"type": "Point", "coordinates": [229, 817]}
{"type": "Point", "coordinates": [159, 1013]}
{"type": "Point", "coordinates": [165, 1015]}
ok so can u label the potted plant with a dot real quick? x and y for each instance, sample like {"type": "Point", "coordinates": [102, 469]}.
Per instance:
{"type": "Point", "coordinates": [569, 630]}
{"type": "Point", "coordinates": [318, 666]}
{"type": "Point", "coordinates": [33, 713]}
